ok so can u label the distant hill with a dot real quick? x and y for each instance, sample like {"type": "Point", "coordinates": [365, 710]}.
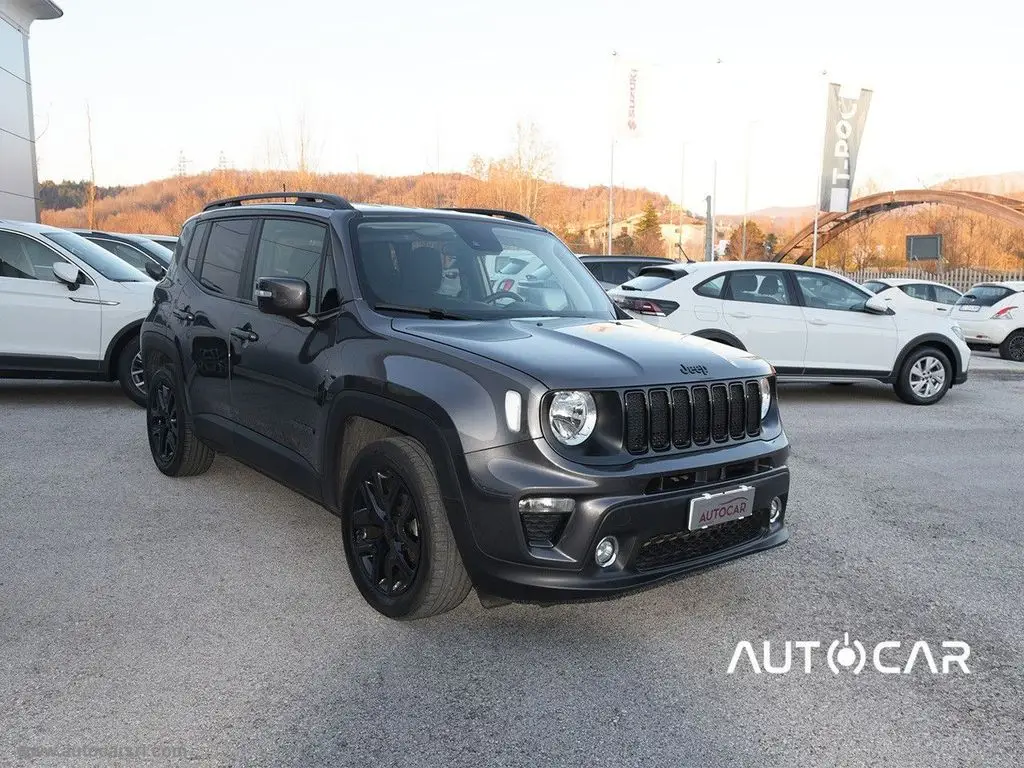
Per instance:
{"type": "Point", "coordinates": [1008, 184]}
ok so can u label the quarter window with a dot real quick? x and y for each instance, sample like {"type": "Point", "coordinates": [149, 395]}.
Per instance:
{"type": "Point", "coordinates": [221, 271]}
{"type": "Point", "coordinates": [824, 292]}
{"type": "Point", "coordinates": [194, 246]}
{"type": "Point", "coordinates": [759, 287]}
{"type": "Point", "coordinates": [712, 288]}
{"type": "Point", "coordinates": [946, 295]}
{"type": "Point", "coordinates": [23, 258]}
{"type": "Point", "coordinates": [292, 248]}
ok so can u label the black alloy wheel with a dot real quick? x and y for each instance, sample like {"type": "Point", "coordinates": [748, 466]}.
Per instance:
{"type": "Point", "coordinates": [385, 531]}
{"type": "Point", "coordinates": [163, 422]}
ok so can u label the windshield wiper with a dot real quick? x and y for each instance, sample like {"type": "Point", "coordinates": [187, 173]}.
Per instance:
{"type": "Point", "coordinates": [432, 312]}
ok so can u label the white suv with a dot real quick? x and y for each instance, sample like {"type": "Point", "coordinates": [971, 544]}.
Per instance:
{"type": "Point", "coordinates": [69, 309]}
{"type": "Point", "coordinates": [992, 315]}
{"type": "Point", "coordinates": [807, 322]}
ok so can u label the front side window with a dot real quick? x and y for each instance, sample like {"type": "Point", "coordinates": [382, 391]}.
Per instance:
{"type": "Point", "coordinates": [921, 291]}
{"type": "Point", "coordinates": [100, 259]}
{"type": "Point", "coordinates": [759, 287]}
{"type": "Point", "coordinates": [292, 248]}
{"type": "Point", "coordinates": [25, 259]}
{"type": "Point", "coordinates": [412, 263]}
{"type": "Point", "coordinates": [825, 292]}
{"type": "Point", "coordinates": [221, 270]}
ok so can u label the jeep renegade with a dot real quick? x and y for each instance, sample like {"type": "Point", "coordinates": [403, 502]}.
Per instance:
{"type": "Point", "coordinates": [537, 445]}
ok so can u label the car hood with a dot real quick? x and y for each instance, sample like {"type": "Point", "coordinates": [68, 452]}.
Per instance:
{"type": "Point", "coordinates": [569, 353]}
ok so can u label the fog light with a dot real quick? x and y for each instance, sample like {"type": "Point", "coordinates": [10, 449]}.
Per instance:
{"type": "Point", "coordinates": [775, 510]}
{"type": "Point", "coordinates": [546, 504]}
{"type": "Point", "coordinates": [607, 549]}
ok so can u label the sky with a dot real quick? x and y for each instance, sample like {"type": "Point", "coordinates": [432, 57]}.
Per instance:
{"type": "Point", "coordinates": [407, 86]}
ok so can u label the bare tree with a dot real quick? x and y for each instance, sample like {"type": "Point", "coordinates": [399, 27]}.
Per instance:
{"type": "Point", "coordinates": [91, 199]}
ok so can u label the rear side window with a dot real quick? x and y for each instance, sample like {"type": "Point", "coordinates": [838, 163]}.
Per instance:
{"type": "Point", "coordinates": [194, 246]}
{"type": "Point", "coordinates": [985, 295]}
{"type": "Point", "coordinates": [221, 270]}
{"type": "Point", "coordinates": [712, 288]}
{"type": "Point", "coordinates": [945, 295]}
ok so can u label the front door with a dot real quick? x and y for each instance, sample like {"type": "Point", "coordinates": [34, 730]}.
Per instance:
{"type": "Point", "coordinates": [761, 312]}
{"type": "Point", "coordinates": [40, 317]}
{"type": "Point", "coordinates": [841, 335]}
{"type": "Point", "coordinates": [278, 373]}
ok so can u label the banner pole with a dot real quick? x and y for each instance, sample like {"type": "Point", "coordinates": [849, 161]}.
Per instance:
{"type": "Point", "coordinates": [817, 197]}
{"type": "Point", "coordinates": [611, 192]}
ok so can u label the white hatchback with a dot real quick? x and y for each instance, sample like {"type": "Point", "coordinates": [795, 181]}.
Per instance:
{"type": "Point", "coordinates": [992, 316]}
{"type": "Point", "coordinates": [69, 309]}
{"type": "Point", "coordinates": [921, 295]}
{"type": "Point", "coordinates": [807, 322]}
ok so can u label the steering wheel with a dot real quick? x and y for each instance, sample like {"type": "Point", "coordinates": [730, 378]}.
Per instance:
{"type": "Point", "coordinates": [502, 295]}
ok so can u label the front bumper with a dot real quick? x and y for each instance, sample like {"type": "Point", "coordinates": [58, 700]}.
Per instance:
{"type": "Point", "coordinates": [649, 522]}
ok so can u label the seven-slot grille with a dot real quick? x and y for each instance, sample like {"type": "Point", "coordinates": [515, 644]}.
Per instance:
{"type": "Point", "coordinates": [657, 419]}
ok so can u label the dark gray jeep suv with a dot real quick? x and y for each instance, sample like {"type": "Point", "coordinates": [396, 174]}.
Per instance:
{"type": "Point", "coordinates": [466, 437]}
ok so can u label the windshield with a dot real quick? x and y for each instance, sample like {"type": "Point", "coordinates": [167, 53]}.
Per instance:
{"type": "Point", "coordinates": [100, 259]}
{"type": "Point", "coordinates": [874, 286]}
{"type": "Point", "coordinates": [158, 251]}
{"type": "Point", "coordinates": [442, 265]}
{"type": "Point", "coordinates": [984, 295]}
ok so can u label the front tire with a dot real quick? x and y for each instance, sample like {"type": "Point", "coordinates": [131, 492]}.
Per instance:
{"type": "Point", "coordinates": [177, 452]}
{"type": "Point", "coordinates": [131, 372]}
{"type": "Point", "coordinates": [1012, 347]}
{"type": "Point", "coordinates": [398, 543]}
{"type": "Point", "coordinates": [924, 377]}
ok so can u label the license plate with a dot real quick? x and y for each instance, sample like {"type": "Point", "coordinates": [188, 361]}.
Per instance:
{"type": "Point", "coordinates": [970, 308]}
{"type": "Point", "coordinates": [717, 508]}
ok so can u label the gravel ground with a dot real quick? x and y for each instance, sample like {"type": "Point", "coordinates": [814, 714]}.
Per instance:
{"type": "Point", "coordinates": [212, 621]}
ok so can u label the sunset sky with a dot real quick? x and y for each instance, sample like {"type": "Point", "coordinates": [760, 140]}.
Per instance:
{"type": "Point", "coordinates": [403, 87]}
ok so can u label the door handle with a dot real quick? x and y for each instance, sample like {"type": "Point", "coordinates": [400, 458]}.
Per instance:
{"type": "Point", "coordinates": [741, 315]}
{"type": "Point", "coordinates": [817, 322]}
{"type": "Point", "coordinates": [940, 309]}
{"type": "Point", "coordinates": [245, 334]}
{"type": "Point", "coordinates": [184, 316]}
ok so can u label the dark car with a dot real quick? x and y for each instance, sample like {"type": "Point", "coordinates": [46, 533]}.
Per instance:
{"type": "Point", "coordinates": [612, 271]}
{"type": "Point", "coordinates": [469, 439]}
{"type": "Point", "coordinates": [141, 252]}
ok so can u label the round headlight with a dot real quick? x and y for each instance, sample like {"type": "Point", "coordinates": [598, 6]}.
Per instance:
{"type": "Point", "coordinates": [572, 416]}
{"type": "Point", "coordinates": [766, 396]}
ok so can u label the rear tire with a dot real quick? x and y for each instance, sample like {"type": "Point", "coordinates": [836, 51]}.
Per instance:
{"type": "Point", "coordinates": [177, 452]}
{"type": "Point", "coordinates": [925, 377]}
{"type": "Point", "coordinates": [398, 542]}
{"type": "Point", "coordinates": [131, 372]}
{"type": "Point", "coordinates": [1012, 347]}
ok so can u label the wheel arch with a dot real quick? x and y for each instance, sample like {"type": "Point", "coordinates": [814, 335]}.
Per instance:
{"type": "Point", "coordinates": [115, 346]}
{"type": "Point", "coordinates": [935, 340]}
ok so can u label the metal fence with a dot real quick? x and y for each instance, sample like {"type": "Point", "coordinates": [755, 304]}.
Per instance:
{"type": "Point", "coordinates": [961, 278]}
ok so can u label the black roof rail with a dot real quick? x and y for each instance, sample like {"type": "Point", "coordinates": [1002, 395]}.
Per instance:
{"type": "Point", "coordinates": [510, 215]}
{"type": "Point", "coordinates": [301, 198]}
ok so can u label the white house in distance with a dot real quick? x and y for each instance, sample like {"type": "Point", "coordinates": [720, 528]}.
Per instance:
{"type": "Point", "coordinates": [19, 183]}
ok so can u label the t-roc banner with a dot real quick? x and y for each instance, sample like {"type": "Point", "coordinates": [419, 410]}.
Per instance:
{"type": "Point", "coordinates": [844, 127]}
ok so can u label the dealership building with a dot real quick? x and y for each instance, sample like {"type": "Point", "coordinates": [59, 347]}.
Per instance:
{"type": "Point", "coordinates": [19, 182]}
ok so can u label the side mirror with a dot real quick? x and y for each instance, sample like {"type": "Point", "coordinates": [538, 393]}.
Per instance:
{"type": "Point", "coordinates": [285, 296]}
{"type": "Point", "coordinates": [68, 274]}
{"type": "Point", "coordinates": [877, 306]}
{"type": "Point", "coordinates": [155, 271]}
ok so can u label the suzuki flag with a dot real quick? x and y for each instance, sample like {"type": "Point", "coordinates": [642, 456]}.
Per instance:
{"type": "Point", "coordinates": [626, 101]}
{"type": "Point", "coordinates": [844, 127]}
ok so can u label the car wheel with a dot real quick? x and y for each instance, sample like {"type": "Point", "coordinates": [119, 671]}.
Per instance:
{"type": "Point", "coordinates": [130, 372]}
{"type": "Point", "coordinates": [925, 377]}
{"type": "Point", "coordinates": [176, 450]}
{"type": "Point", "coordinates": [1012, 347]}
{"type": "Point", "coordinates": [398, 542]}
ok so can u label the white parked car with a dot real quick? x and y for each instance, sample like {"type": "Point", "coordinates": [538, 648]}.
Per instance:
{"type": "Point", "coordinates": [69, 309]}
{"type": "Point", "coordinates": [992, 316]}
{"type": "Point", "coordinates": [807, 322]}
{"type": "Point", "coordinates": [922, 295]}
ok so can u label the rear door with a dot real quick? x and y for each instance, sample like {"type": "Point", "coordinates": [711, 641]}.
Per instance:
{"type": "Point", "coordinates": [277, 370]}
{"type": "Point", "coordinates": [923, 298]}
{"type": "Point", "coordinates": [40, 318]}
{"type": "Point", "coordinates": [760, 310]}
{"type": "Point", "coordinates": [841, 335]}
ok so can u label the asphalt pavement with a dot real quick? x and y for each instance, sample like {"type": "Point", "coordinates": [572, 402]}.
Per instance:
{"type": "Point", "coordinates": [212, 621]}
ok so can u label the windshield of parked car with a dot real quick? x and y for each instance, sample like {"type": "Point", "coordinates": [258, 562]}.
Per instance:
{"type": "Point", "coordinates": [985, 295]}
{"type": "Point", "coordinates": [441, 265]}
{"type": "Point", "coordinates": [158, 251]}
{"type": "Point", "coordinates": [875, 286]}
{"type": "Point", "coordinates": [100, 259]}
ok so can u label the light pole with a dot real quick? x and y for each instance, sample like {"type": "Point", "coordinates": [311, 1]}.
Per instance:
{"type": "Point", "coordinates": [746, 189]}
{"type": "Point", "coordinates": [611, 160]}
{"type": "Point", "coordinates": [682, 195]}
{"type": "Point", "coordinates": [817, 196]}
